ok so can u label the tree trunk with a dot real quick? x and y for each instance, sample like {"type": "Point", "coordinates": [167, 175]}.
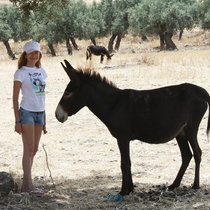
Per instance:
{"type": "Point", "coordinates": [144, 38]}
{"type": "Point", "coordinates": [9, 50]}
{"type": "Point", "coordinates": [74, 43]}
{"type": "Point", "coordinates": [162, 42]}
{"type": "Point", "coordinates": [169, 43]}
{"type": "Point", "coordinates": [52, 51]}
{"type": "Point", "coordinates": [166, 42]}
{"type": "Point", "coordinates": [93, 41]}
{"type": "Point", "coordinates": [111, 42]}
{"type": "Point", "coordinates": [68, 46]}
{"type": "Point", "coordinates": [119, 38]}
{"type": "Point", "coordinates": [180, 34]}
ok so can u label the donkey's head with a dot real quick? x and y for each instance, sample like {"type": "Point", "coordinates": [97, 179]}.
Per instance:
{"type": "Point", "coordinates": [73, 98]}
{"type": "Point", "coordinates": [109, 56]}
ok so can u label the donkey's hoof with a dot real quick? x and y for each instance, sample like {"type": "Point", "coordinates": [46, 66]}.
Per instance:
{"type": "Point", "coordinates": [172, 187]}
{"type": "Point", "coordinates": [195, 187]}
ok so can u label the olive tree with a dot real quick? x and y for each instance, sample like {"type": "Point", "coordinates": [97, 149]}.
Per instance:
{"type": "Point", "coordinates": [115, 16]}
{"type": "Point", "coordinates": [49, 25]}
{"type": "Point", "coordinates": [87, 21]}
{"type": "Point", "coordinates": [44, 15]}
{"type": "Point", "coordinates": [163, 18]}
{"type": "Point", "coordinates": [66, 26]}
{"type": "Point", "coordinates": [10, 27]}
{"type": "Point", "coordinates": [205, 14]}
{"type": "Point", "coordinates": [94, 23]}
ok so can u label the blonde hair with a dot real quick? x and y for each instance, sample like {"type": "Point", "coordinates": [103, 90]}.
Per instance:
{"type": "Point", "coordinates": [23, 61]}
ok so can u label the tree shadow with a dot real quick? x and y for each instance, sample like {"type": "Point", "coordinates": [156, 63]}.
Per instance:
{"type": "Point", "coordinates": [91, 193]}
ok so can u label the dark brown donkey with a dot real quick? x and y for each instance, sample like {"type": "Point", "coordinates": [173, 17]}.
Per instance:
{"type": "Point", "coordinates": [97, 50]}
{"type": "Point", "coordinates": [153, 116]}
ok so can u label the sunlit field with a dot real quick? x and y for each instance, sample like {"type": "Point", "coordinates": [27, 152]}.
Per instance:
{"type": "Point", "coordinates": [82, 155]}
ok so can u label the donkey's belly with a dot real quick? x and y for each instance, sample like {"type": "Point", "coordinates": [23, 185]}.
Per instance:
{"type": "Point", "coordinates": [159, 135]}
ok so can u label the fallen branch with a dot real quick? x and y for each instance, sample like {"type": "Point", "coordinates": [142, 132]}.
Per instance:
{"type": "Point", "coordinates": [48, 165]}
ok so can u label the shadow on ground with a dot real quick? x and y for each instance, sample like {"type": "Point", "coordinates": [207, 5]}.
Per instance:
{"type": "Point", "coordinates": [91, 193]}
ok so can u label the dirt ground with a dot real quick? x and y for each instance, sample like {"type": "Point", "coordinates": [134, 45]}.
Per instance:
{"type": "Point", "coordinates": [83, 157]}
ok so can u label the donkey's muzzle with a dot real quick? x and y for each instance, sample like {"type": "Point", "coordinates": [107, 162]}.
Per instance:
{"type": "Point", "coordinates": [60, 114]}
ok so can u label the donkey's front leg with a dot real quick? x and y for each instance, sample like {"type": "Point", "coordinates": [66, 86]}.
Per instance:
{"type": "Point", "coordinates": [127, 183]}
{"type": "Point", "coordinates": [102, 58]}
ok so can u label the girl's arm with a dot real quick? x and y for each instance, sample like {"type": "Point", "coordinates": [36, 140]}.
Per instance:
{"type": "Point", "coordinates": [44, 126]}
{"type": "Point", "coordinates": [16, 91]}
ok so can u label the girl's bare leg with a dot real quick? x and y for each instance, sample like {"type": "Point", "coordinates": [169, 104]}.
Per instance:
{"type": "Point", "coordinates": [31, 136]}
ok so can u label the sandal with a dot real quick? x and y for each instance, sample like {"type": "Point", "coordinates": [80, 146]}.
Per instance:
{"type": "Point", "coordinates": [38, 192]}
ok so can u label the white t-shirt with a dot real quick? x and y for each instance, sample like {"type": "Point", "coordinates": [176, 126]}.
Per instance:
{"type": "Point", "coordinates": [32, 88]}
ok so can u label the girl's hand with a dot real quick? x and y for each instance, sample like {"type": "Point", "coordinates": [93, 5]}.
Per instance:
{"type": "Point", "coordinates": [18, 128]}
{"type": "Point", "coordinates": [44, 129]}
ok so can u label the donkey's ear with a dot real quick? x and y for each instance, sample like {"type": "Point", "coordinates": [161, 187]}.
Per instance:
{"type": "Point", "coordinates": [68, 65]}
{"type": "Point", "coordinates": [71, 72]}
{"type": "Point", "coordinates": [68, 68]}
{"type": "Point", "coordinates": [65, 68]}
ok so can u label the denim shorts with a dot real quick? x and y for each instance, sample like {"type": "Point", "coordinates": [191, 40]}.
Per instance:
{"type": "Point", "coordinates": [28, 117]}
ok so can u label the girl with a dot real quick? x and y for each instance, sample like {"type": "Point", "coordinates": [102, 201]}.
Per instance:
{"type": "Point", "coordinates": [30, 118]}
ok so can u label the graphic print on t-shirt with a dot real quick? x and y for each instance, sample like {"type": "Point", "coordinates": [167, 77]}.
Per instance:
{"type": "Point", "coordinates": [37, 82]}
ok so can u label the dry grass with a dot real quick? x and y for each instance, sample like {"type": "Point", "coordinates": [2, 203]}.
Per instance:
{"type": "Point", "coordinates": [83, 156]}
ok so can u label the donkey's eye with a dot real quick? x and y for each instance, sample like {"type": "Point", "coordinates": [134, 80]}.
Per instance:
{"type": "Point", "coordinates": [66, 93]}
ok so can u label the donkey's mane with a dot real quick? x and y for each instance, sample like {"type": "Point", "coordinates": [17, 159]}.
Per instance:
{"type": "Point", "coordinates": [90, 75]}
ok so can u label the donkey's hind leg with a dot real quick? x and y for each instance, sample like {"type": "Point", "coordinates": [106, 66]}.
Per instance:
{"type": "Point", "coordinates": [88, 54]}
{"type": "Point", "coordinates": [186, 157]}
{"type": "Point", "coordinates": [197, 156]}
{"type": "Point", "coordinates": [192, 132]}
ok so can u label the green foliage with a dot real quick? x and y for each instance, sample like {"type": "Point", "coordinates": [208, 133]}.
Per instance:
{"type": "Point", "coordinates": [44, 25]}
{"type": "Point", "coordinates": [26, 6]}
{"type": "Point", "coordinates": [154, 16]}
{"type": "Point", "coordinates": [115, 15]}
{"type": "Point", "coordinates": [5, 29]}
{"type": "Point", "coordinates": [5, 32]}
{"type": "Point", "coordinates": [107, 10]}
{"type": "Point", "coordinates": [65, 22]}
{"type": "Point", "coordinates": [94, 22]}
{"type": "Point", "coordinates": [83, 24]}
{"type": "Point", "coordinates": [205, 14]}
{"type": "Point", "coordinates": [59, 20]}
{"type": "Point", "coordinates": [120, 21]}
{"type": "Point", "coordinates": [11, 25]}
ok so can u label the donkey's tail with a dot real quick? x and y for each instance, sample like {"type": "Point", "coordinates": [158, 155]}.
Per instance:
{"type": "Point", "coordinates": [208, 125]}
{"type": "Point", "coordinates": [206, 97]}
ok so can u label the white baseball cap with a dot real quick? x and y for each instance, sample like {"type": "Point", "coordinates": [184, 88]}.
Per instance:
{"type": "Point", "coordinates": [31, 46]}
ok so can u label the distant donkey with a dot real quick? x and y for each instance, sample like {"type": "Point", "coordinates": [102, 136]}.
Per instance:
{"type": "Point", "coordinates": [97, 50]}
